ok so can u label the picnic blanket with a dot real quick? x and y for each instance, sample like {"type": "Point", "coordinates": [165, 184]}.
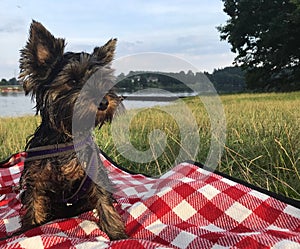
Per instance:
{"type": "Point", "coordinates": [187, 207]}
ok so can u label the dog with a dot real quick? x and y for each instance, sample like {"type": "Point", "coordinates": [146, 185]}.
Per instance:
{"type": "Point", "coordinates": [61, 178]}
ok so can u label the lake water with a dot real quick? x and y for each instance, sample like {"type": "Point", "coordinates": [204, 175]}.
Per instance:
{"type": "Point", "coordinates": [17, 104]}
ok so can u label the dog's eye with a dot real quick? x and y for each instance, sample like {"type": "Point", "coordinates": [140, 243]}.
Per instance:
{"type": "Point", "coordinates": [103, 104]}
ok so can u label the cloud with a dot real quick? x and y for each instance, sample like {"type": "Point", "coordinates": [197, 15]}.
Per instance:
{"type": "Point", "coordinates": [209, 62]}
{"type": "Point", "coordinates": [174, 44]}
{"type": "Point", "coordinates": [11, 26]}
{"type": "Point", "coordinates": [152, 62]}
{"type": "Point", "coordinates": [177, 27]}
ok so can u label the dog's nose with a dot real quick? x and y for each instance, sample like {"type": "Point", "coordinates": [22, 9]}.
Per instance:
{"type": "Point", "coordinates": [103, 104]}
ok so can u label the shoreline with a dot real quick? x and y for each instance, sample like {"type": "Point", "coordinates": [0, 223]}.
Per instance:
{"type": "Point", "coordinates": [11, 89]}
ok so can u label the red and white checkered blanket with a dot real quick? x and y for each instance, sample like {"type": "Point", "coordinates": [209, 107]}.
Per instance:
{"type": "Point", "coordinates": [188, 207]}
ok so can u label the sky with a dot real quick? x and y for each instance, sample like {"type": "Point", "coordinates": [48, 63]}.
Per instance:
{"type": "Point", "coordinates": [185, 29]}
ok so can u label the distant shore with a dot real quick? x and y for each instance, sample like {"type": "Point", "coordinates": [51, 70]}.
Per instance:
{"type": "Point", "coordinates": [9, 89]}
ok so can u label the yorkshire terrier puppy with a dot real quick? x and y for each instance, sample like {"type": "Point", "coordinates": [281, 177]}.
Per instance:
{"type": "Point", "coordinates": [61, 177]}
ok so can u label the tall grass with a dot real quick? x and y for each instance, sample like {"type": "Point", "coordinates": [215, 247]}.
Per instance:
{"type": "Point", "coordinates": [14, 133]}
{"type": "Point", "coordinates": [262, 138]}
{"type": "Point", "coordinates": [263, 141]}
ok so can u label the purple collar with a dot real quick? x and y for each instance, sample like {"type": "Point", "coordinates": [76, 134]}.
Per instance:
{"type": "Point", "coordinates": [56, 149]}
{"type": "Point", "coordinates": [47, 151]}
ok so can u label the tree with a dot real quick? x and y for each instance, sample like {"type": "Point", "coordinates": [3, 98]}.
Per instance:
{"type": "Point", "coordinates": [3, 82]}
{"type": "Point", "coordinates": [13, 81]}
{"type": "Point", "coordinates": [265, 34]}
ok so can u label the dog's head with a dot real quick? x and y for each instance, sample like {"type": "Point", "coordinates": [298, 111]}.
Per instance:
{"type": "Point", "coordinates": [55, 78]}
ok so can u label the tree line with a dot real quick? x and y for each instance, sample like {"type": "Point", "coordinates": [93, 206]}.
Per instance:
{"type": "Point", "coordinates": [10, 82]}
{"type": "Point", "coordinates": [226, 80]}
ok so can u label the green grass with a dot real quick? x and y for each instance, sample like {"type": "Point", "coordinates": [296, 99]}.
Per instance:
{"type": "Point", "coordinates": [262, 138]}
{"type": "Point", "coordinates": [263, 145]}
{"type": "Point", "coordinates": [14, 133]}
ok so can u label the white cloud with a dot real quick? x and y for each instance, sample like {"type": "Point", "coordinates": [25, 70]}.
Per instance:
{"type": "Point", "coordinates": [186, 28]}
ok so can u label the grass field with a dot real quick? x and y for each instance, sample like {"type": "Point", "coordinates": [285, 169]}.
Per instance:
{"type": "Point", "coordinates": [262, 138]}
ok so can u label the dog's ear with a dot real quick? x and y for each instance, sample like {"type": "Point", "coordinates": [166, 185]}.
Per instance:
{"type": "Point", "coordinates": [40, 55]}
{"type": "Point", "coordinates": [105, 54]}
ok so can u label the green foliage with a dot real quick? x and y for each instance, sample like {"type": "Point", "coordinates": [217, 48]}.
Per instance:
{"type": "Point", "coordinates": [266, 37]}
{"type": "Point", "coordinates": [11, 82]}
{"type": "Point", "coordinates": [228, 80]}
{"type": "Point", "coordinates": [3, 82]}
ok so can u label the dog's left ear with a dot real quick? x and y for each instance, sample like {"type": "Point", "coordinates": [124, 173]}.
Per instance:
{"type": "Point", "coordinates": [105, 54]}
